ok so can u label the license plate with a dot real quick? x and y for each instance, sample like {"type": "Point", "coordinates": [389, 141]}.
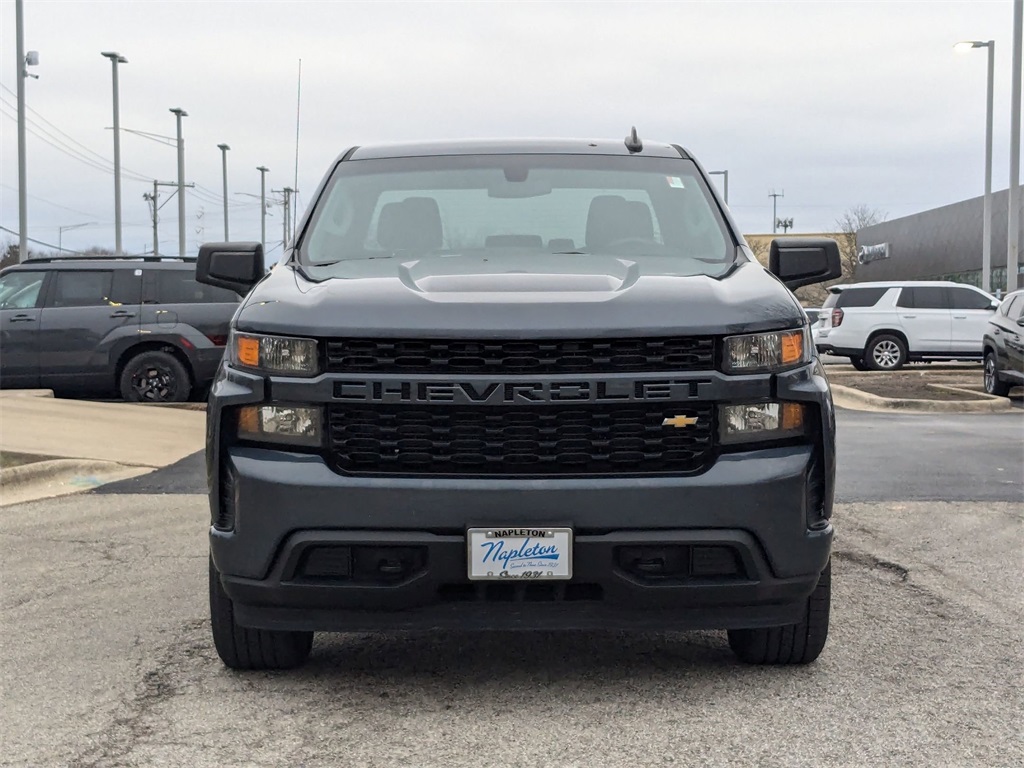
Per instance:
{"type": "Point", "coordinates": [519, 553]}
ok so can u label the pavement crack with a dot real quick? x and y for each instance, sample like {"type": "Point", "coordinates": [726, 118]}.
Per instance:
{"type": "Point", "coordinates": [875, 563]}
{"type": "Point", "coordinates": [158, 684]}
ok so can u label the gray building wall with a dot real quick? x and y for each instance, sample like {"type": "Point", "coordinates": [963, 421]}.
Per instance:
{"type": "Point", "coordinates": [943, 243]}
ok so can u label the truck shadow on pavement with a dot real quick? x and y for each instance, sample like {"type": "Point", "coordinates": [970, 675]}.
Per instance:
{"type": "Point", "coordinates": [473, 657]}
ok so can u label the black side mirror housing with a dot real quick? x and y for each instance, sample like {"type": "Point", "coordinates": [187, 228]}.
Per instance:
{"type": "Point", "coordinates": [235, 266]}
{"type": "Point", "coordinates": [798, 261]}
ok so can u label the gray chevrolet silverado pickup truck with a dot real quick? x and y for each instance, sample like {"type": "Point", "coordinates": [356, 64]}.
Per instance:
{"type": "Point", "coordinates": [519, 385]}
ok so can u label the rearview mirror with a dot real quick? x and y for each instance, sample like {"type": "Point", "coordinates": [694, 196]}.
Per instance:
{"type": "Point", "coordinates": [235, 266]}
{"type": "Point", "coordinates": [798, 261]}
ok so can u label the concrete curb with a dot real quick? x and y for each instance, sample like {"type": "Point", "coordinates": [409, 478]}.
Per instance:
{"type": "Point", "coordinates": [27, 393]}
{"type": "Point", "coordinates": [855, 399]}
{"type": "Point", "coordinates": [58, 477]}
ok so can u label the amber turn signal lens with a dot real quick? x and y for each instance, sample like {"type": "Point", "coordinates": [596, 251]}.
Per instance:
{"type": "Point", "coordinates": [792, 416]}
{"type": "Point", "coordinates": [248, 352]}
{"type": "Point", "coordinates": [249, 420]}
{"type": "Point", "coordinates": [792, 347]}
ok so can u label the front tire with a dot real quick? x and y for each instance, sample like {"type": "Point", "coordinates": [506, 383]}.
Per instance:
{"type": "Point", "coordinates": [794, 643]}
{"type": "Point", "coordinates": [992, 383]}
{"type": "Point", "coordinates": [886, 353]}
{"type": "Point", "coordinates": [154, 377]}
{"type": "Point", "coordinates": [244, 648]}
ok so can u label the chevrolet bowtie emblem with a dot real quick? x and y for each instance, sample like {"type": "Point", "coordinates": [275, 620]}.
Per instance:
{"type": "Point", "coordinates": [680, 421]}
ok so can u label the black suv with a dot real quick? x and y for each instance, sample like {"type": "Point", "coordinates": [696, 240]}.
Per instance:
{"type": "Point", "coordinates": [141, 327]}
{"type": "Point", "coordinates": [531, 384]}
{"type": "Point", "coordinates": [1004, 346]}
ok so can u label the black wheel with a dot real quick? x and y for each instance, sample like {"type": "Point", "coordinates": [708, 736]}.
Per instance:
{"type": "Point", "coordinates": [886, 353]}
{"type": "Point", "coordinates": [859, 364]}
{"type": "Point", "coordinates": [244, 648]}
{"type": "Point", "coordinates": [155, 377]}
{"type": "Point", "coordinates": [792, 644]}
{"type": "Point", "coordinates": [992, 383]}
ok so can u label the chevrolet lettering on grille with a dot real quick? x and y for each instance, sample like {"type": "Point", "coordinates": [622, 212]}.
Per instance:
{"type": "Point", "coordinates": [397, 391]}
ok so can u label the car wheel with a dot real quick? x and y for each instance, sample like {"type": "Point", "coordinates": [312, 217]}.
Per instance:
{"type": "Point", "coordinates": [794, 643]}
{"type": "Point", "coordinates": [992, 383]}
{"type": "Point", "coordinates": [859, 364]}
{"type": "Point", "coordinates": [245, 648]}
{"type": "Point", "coordinates": [155, 377]}
{"type": "Point", "coordinates": [886, 353]}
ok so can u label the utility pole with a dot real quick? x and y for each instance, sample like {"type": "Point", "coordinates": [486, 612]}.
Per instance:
{"type": "Point", "coordinates": [180, 113]}
{"type": "Point", "coordinates": [1013, 217]}
{"type": "Point", "coordinates": [287, 192]}
{"type": "Point", "coordinates": [775, 198]}
{"type": "Point", "coordinates": [24, 62]}
{"type": "Point", "coordinates": [115, 59]}
{"type": "Point", "coordinates": [154, 197]}
{"type": "Point", "coordinates": [263, 206]}
{"type": "Point", "coordinates": [224, 157]}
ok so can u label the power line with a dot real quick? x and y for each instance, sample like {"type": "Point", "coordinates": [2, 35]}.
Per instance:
{"type": "Point", "coordinates": [56, 205]}
{"type": "Point", "coordinates": [69, 146]}
{"type": "Point", "coordinates": [40, 242]}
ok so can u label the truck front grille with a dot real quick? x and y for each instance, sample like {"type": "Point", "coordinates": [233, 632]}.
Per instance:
{"type": "Point", "coordinates": [676, 354]}
{"type": "Point", "coordinates": [603, 439]}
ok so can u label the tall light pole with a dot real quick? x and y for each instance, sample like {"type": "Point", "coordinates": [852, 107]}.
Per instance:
{"type": "Point", "coordinates": [986, 226]}
{"type": "Point", "coordinates": [725, 178]}
{"type": "Point", "coordinates": [24, 62]}
{"type": "Point", "coordinates": [180, 113]}
{"type": "Point", "coordinates": [263, 206]}
{"type": "Point", "coordinates": [224, 158]}
{"type": "Point", "coordinates": [115, 59]}
{"type": "Point", "coordinates": [1013, 217]}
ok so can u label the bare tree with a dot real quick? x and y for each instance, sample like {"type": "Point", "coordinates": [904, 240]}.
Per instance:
{"type": "Point", "coordinates": [849, 224]}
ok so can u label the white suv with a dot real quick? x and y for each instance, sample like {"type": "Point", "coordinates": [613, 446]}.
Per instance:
{"type": "Point", "coordinates": [881, 326]}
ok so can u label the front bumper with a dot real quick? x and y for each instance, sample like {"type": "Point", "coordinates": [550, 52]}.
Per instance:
{"type": "Point", "coordinates": [753, 504]}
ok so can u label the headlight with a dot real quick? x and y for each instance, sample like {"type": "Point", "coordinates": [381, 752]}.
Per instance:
{"type": "Point", "coordinates": [766, 352]}
{"type": "Point", "coordinates": [274, 354]}
{"type": "Point", "coordinates": [760, 421]}
{"type": "Point", "coordinates": [287, 424]}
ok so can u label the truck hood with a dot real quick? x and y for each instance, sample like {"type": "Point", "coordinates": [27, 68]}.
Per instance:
{"type": "Point", "coordinates": [585, 296]}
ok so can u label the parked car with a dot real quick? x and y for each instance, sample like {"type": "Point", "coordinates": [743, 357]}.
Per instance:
{"type": "Point", "coordinates": [882, 326]}
{"type": "Point", "coordinates": [140, 327]}
{"type": "Point", "coordinates": [1004, 346]}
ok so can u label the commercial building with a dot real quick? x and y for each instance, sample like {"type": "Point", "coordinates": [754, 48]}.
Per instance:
{"type": "Point", "coordinates": [941, 244]}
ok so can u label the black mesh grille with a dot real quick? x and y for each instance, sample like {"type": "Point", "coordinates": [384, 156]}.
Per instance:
{"type": "Point", "coordinates": [581, 440]}
{"type": "Point", "coordinates": [687, 353]}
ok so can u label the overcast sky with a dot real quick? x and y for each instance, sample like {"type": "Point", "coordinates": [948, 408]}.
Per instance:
{"type": "Point", "coordinates": [836, 103]}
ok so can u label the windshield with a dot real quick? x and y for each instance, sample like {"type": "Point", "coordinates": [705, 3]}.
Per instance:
{"type": "Point", "coordinates": [505, 206]}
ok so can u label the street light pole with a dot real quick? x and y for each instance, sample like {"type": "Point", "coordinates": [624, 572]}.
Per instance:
{"type": "Point", "coordinates": [224, 157]}
{"type": "Point", "coordinates": [725, 185]}
{"type": "Point", "coordinates": [21, 74]}
{"type": "Point", "coordinates": [986, 226]}
{"type": "Point", "coordinates": [62, 229]}
{"type": "Point", "coordinates": [180, 113]}
{"type": "Point", "coordinates": [263, 206]}
{"type": "Point", "coordinates": [115, 59]}
{"type": "Point", "coordinates": [1013, 214]}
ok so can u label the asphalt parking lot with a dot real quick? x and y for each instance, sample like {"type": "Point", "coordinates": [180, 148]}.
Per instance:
{"type": "Point", "coordinates": [106, 658]}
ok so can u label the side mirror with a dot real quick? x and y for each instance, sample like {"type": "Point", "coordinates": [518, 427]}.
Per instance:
{"type": "Point", "coordinates": [994, 304]}
{"type": "Point", "coordinates": [235, 266]}
{"type": "Point", "coordinates": [800, 261]}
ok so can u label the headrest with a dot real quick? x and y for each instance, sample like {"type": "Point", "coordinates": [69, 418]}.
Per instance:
{"type": "Point", "coordinates": [411, 225]}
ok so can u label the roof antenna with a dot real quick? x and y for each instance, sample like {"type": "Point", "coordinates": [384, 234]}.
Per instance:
{"type": "Point", "coordinates": [633, 143]}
